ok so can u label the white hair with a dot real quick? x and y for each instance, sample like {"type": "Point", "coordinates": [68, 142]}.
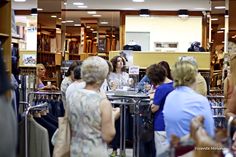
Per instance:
{"type": "Point", "coordinates": [94, 70]}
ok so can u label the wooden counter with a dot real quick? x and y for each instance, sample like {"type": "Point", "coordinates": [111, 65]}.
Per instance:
{"type": "Point", "coordinates": [145, 59]}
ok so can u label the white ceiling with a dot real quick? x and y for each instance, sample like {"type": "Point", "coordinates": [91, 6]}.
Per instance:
{"type": "Point", "coordinates": [118, 4]}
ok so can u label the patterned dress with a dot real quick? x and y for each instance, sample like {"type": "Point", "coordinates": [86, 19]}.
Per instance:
{"type": "Point", "coordinates": [85, 119]}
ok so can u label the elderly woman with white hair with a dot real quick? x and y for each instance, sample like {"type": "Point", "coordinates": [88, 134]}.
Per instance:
{"type": "Point", "coordinates": [90, 114]}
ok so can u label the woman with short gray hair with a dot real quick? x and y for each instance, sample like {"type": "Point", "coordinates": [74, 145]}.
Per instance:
{"type": "Point", "coordinates": [90, 114]}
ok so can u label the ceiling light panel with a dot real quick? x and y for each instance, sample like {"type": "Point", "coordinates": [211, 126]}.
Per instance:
{"type": "Point", "coordinates": [78, 3]}
{"type": "Point", "coordinates": [19, 0]}
{"type": "Point", "coordinates": [92, 12]}
{"type": "Point", "coordinates": [219, 7]}
{"type": "Point", "coordinates": [97, 15]}
{"type": "Point", "coordinates": [104, 22]}
{"type": "Point", "coordinates": [82, 6]}
{"type": "Point", "coordinates": [138, 1]}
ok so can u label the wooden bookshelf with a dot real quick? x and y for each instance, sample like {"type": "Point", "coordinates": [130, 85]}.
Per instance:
{"type": "Point", "coordinates": [5, 31]}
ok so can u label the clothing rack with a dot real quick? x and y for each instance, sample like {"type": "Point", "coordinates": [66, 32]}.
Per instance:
{"type": "Point", "coordinates": [43, 93]}
{"type": "Point", "coordinates": [217, 107]}
{"type": "Point", "coordinates": [28, 109]}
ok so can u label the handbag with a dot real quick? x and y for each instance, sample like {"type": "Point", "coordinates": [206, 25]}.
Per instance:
{"type": "Point", "coordinates": [147, 127]}
{"type": "Point", "coordinates": [63, 139]}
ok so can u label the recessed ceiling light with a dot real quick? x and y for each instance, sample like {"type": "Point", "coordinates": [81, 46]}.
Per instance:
{"type": "Point", "coordinates": [220, 31]}
{"type": "Point", "coordinates": [219, 7]}
{"type": "Point", "coordinates": [69, 21]}
{"type": "Point", "coordinates": [97, 15]}
{"type": "Point", "coordinates": [200, 9]}
{"type": "Point", "coordinates": [138, 0]}
{"type": "Point", "coordinates": [63, 21]}
{"type": "Point", "coordinates": [214, 19]}
{"type": "Point", "coordinates": [95, 31]}
{"type": "Point", "coordinates": [88, 26]}
{"type": "Point", "coordinates": [78, 3]}
{"type": "Point", "coordinates": [54, 16]}
{"type": "Point", "coordinates": [82, 6]}
{"type": "Point", "coordinates": [222, 28]}
{"type": "Point", "coordinates": [91, 29]}
{"type": "Point", "coordinates": [59, 18]}
{"type": "Point", "coordinates": [19, 0]}
{"type": "Point", "coordinates": [39, 9]}
{"type": "Point", "coordinates": [77, 24]}
{"type": "Point", "coordinates": [127, 9]}
{"type": "Point", "coordinates": [104, 22]}
{"type": "Point", "coordinates": [91, 12]}
{"type": "Point", "coordinates": [65, 3]}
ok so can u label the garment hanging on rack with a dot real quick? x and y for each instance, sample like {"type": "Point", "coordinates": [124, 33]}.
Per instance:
{"type": "Point", "coordinates": [50, 128]}
{"type": "Point", "coordinates": [8, 129]}
{"type": "Point", "coordinates": [132, 46]}
{"type": "Point", "coordinates": [38, 139]}
{"type": "Point", "coordinates": [217, 107]}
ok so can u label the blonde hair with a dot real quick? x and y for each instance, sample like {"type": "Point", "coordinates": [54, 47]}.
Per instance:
{"type": "Point", "coordinates": [38, 66]}
{"type": "Point", "coordinates": [94, 70]}
{"type": "Point", "coordinates": [184, 73]}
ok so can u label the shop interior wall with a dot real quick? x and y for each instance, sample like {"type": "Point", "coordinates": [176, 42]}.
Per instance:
{"type": "Point", "coordinates": [167, 29]}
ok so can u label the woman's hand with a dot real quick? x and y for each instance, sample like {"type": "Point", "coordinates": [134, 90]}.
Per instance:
{"type": "Point", "coordinates": [116, 112]}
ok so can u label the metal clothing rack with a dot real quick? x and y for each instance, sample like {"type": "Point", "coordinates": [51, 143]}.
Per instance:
{"type": "Point", "coordinates": [217, 107]}
{"type": "Point", "coordinates": [132, 99]}
{"type": "Point", "coordinates": [43, 93]}
{"type": "Point", "coordinates": [28, 109]}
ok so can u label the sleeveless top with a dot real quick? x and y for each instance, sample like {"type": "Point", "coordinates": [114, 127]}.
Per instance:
{"type": "Point", "coordinates": [85, 119]}
{"type": "Point", "coordinates": [41, 85]}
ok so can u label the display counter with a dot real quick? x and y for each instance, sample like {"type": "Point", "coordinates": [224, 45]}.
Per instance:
{"type": "Point", "coordinates": [145, 59]}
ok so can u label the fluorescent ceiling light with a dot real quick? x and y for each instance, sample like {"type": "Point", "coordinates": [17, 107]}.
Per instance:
{"type": "Point", "coordinates": [144, 15]}
{"type": "Point", "coordinates": [54, 16]}
{"type": "Point", "coordinates": [219, 7]}
{"type": "Point", "coordinates": [183, 16]}
{"type": "Point", "coordinates": [200, 9]}
{"type": "Point", "coordinates": [138, 0]}
{"type": "Point", "coordinates": [95, 31]}
{"type": "Point", "coordinates": [97, 15]}
{"type": "Point", "coordinates": [39, 9]}
{"type": "Point", "coordinates": [63, 21]}
{"type": "Point", "coordinates": [88, 26]}
{"type": "Point", "coordinates": [91, 12]}
{"type": "Point", "coordinates": [82, 6]}
{"type": "Point", "coordinates": [19, 0]}
{"type": "Point", "coordinates": [69, 21]}
{"type": "Point", "coordinates": [127, 9]}
{"type": "Point", "coordinates": [77, 24]}
{"type": "Point", "coordinates": [104, 22]}
{"type": "Point", "coordinates": [214, 19]}
{"type": "Point", "coordinates": [222, 28]}
{"type": "Point", "coordinates": [220, 31]}
{"type": "Point", "coordinates": [78, 3]}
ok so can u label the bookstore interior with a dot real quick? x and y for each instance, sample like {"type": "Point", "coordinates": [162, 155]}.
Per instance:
{"type": "Point", "coordinates": [47, 46]}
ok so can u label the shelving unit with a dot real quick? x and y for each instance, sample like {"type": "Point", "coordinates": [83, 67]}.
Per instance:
{"type": "Point", "coordinates": [5, 31]}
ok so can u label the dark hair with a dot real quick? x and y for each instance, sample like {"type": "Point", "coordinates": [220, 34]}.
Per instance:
{"type": "Point", "coordinates": [110, 66]}
{"type": "Point", "coordinates": [72, 67]}
{"type": "Point", "coordinates": [114, 63]}
{"type": "Point", "coordinates": [5, 84]}
{"type": "Point", "coordinates": [77, 72]}
{"type": "Point", "coordinates": [156, 73]}
{"type": "Point", "coordinates": [167, 68]}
